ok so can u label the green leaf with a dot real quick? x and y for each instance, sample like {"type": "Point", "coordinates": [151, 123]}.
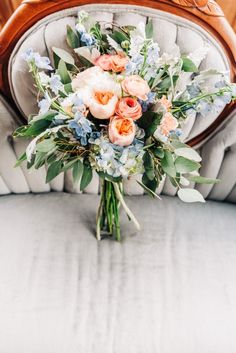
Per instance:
{"type": "Point", "coordinates": [40, 159]}
{"type": "Point", "coordinates": [21, 159]}
{"type": "Point", "coordinates": [202, 180]}
{"type": "Point", "coordinates": [86, 176]}
{"type": "Point", "coordinates": [188, 65]}
{"type": "Point", "coordinates": [158, 152]}
{"type": "Point", "coordinates": [69, 164]}
{"type": "Point", "coordinates": [148, 190]}
{"type": "Point", "coordinates": [190, 195]}
{"type": "Point", "coordinates": [77, 171]}
{"type": "Point", "coordinates": [72, 38]}
{"type": "Point", "coordinates": [64, 55]}
{"type": "Point", "coordinates": [188, 153]}
{"type": "Point", "coordinates": [148, 165]}
{"type": "Point", "coordinates": [166, 83]}
{"type": "Point", "coordinates": [45, 146]}
{"type": "Point", "coordinates": [149, 29]}
{"type": "Point", "coordinates": [184, 165]}
{"type": "Point", "coordinates": [63, 72]}
{"type": "Point", "coordinates": [149, 122]}
{"type": "Point", "coordinates": [168, 165]}
{"type": "Point", "coordinates": [68, 88]}
{"type": "Point", "coordinates": [54, 170]}
{"type": "Point", "coordinates": [119, 37]}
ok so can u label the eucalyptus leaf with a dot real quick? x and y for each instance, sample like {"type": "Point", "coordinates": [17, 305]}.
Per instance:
{"type": "Point", "coordinates": [64, 55]}
{"type": "Point", "coordinates": [63, 72]}
{"type": "Point", "coordinates": [21, 159]}
{"type": "Point", "coordinates": [188, 153]}
{"type": "Point", "coordinates": [45, 146]}
{"type": "Point", "coordinates": [72, 38]}
{"type": "Point", "coordinates": [77, 171]}
{"type": "Point", "coordinates": [190, 195]}
{"type": "Point", "coordinates": [54, 170]}
{"type": "Point", "coordinates": [148, 165]}
{"type": "Point", "coordinates": [149, 29]}
{"type": "Point", "coordinates": [188, 65]}
{"type": "Point", "coordinates": [184, 165]}
{"type": "Point", "coordinates": [168, 165]}
{"type": "Point", "coordinates": [86, 176]}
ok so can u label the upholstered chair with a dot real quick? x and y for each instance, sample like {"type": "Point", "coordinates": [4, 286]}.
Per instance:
{"type": "Point", "coordinates": [167, 289]}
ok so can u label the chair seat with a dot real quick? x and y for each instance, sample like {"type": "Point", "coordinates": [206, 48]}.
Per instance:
{"type": "Point", "coordinates": [169, 289]}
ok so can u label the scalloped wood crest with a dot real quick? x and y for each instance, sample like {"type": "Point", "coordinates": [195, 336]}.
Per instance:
{"type": "Point", "coordinates": [208, 7]}
{"type": "Point", "coordinates": [205, 13]}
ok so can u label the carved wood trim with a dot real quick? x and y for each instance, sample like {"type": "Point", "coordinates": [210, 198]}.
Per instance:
{"type": "Point", "coordinates": [206, 13]}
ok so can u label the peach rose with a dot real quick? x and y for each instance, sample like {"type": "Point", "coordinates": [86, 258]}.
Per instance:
{"type": "Point", "coordinates": [168, 123]}
{"type": "Point", "coordinates": [118, 62]}
{"type": "Point", "coordinates": [104, 61]}
{"type": "Point", "coordinates": [136, 86]}
{"type": "Point", "coordinates": [102, 105]}
{"type": "Point", "coordinates": [129, 108]}
{"type": "Point", "coordinates": [121, 131]}
{"type": "Point", "coordinates": [165, 102]}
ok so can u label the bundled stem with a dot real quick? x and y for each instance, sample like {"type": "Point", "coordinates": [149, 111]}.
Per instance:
{"type": "Point", "coordinates": [108, 215]}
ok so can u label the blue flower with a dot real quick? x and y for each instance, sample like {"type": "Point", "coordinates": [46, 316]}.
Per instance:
{"type": "Point", "coordinates": [42, 62]}
{"type": "Point", "coordinates": [135, 64]}
{"type": "Point", "coordinates": [44, 105]}
{"type": "Point", "coordinates": [145, 104]}
{"type": "Point", "coordinates": [55, 83]}
{"type": "Point", "coordinates": [153, 54]}
{"type": "Point", "coordinates": [82, 128]}
{"type": "Point", "coordinates": [87, 39]}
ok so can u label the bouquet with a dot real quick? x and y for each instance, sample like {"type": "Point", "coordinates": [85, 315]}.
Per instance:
{"type": "Point", "coordinates": [114, 105]}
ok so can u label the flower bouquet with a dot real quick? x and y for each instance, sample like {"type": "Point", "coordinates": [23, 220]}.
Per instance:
{"type": "Point", "coordinates": [114, 104]}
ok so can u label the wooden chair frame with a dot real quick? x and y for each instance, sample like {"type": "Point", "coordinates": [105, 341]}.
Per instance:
{"type": "Point", "coordinates": [206, 13]}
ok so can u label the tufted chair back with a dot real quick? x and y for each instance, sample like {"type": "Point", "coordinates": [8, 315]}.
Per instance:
{"type": "Point", "coordinates": [172, 29]}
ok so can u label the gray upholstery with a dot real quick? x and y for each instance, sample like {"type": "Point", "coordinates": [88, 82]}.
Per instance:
{"type": "Point", "coordinates": [169, 289]}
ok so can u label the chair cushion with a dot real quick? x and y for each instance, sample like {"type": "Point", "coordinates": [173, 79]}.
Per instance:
{"type": "Point", "coordinates": [169, 31]}
{"type": "Point", "coordinates": [169, 289]}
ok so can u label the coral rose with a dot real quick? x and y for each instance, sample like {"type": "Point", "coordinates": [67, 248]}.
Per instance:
{"type": "Point", "coordinates": [102, 105]}
{"type": "Point", "coordinates": [104, 61]}
{"type": "Point", "coordinates": [136, 86]}
{"type": "Point", "coordinates": [121, 131]}
{"type": "Point", "coordinates": [118, 62]}
{"type": "Point", "coordinates": [168, 123]}
{"type": "Point", "coordinates": [115, 63]}
{"type": "Point", "coordinates": [129, 108]}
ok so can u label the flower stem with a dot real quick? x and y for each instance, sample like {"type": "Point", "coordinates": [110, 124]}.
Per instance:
{"type": "Point", "coordinates": [126, 208]}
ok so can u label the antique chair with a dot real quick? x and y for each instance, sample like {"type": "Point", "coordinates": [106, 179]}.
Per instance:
{"type": "Point", "coordinates": [169, 289]}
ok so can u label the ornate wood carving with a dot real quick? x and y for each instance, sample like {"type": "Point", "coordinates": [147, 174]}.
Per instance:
{"type": "Point", "coordinates": [205, 13]}
{"type": "Point", "coordinates": [208, 7]}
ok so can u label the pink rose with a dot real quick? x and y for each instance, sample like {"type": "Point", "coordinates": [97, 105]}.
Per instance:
{"type": "Point", "coordinates": [118, 62]}
{"type": "Point", "coordinates": [168, 123]}
{"type": "Point", "coordinates": [136, 86]}
{"type": "Point", "coordinates": [121, 131]}
{"type": "Point", "coordinates": [129, 108]}
{"type": "Point", "coordinates": [104, 61]}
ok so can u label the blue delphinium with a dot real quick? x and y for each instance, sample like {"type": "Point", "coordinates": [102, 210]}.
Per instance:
{"type": "Point", "coordinates": [82, 127]}
{"type": "Point", "coordinates": [44, 104]}
{"type": "Point", "coordinates": [42, 62]}
{"type": "Point", "coordinates": [55, 83]}
{"type": "Point", "coordinates": [87, 39]}
{"type": "Point", "coordinates": [135, 64]}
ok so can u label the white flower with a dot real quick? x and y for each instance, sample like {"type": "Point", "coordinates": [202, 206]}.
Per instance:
{"type": "Point", "coordinates": [137, 39]}
{"type": "Point", "coordinates": [44, 104]}
{"type": "Point", "coordinates": [44, 79]}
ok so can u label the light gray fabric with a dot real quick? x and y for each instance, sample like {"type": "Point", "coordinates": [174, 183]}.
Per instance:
{"type": "Point", "coordinates": [169, 289]}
